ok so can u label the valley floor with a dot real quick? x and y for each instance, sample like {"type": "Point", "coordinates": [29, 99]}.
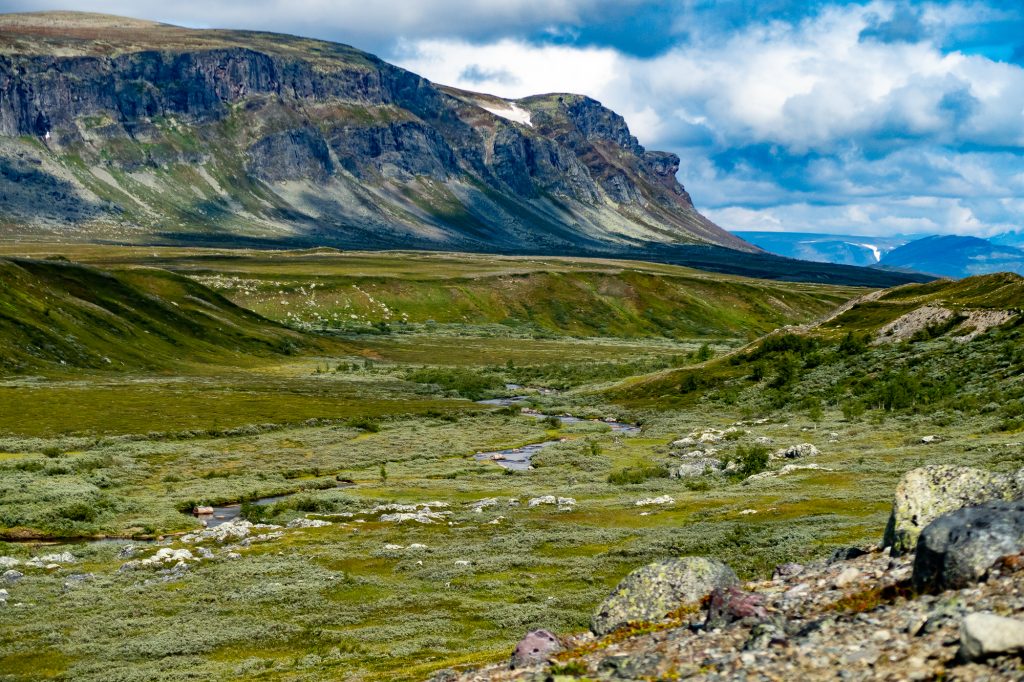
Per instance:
{"type": "Point", "coordinates": [396, 551]}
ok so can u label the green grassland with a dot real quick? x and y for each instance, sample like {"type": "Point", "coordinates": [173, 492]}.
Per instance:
{"type": "Point", "coordinates": [359, 415]}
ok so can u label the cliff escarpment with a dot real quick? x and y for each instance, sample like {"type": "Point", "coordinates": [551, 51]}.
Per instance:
{"type": "Point", "coordinates": [117, 128]}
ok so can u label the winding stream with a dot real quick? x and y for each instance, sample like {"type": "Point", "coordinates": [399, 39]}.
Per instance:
{"type": "Point", "coordinates": [518, 459]}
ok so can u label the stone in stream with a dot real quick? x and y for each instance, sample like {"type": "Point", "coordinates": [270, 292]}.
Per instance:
{"type": "Point", "coordinates": [957, 549]}
{"type": "Point", "coordinates": [926, 493]}
{"type": "Point", "coordinates": [983, 635]}
{"type": "Point", "coordinates": [536, 647]}
{"type": "Point", "coordinates": [652, 592]}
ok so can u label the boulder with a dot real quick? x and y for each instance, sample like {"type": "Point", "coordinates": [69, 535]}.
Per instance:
{"type": "Point", "coordinates": [12, 576]}
{"type": "Point", "coordinates": [697, 467]}
{"type": "Point", "coordinates": [926, 493]}
{"type": "Point", "coordinates": [796, 451]}
{"type": "Point", "coordinates": [308, 523]}
{"type": "Point", "coordinates": [985, 634]}
{"type": "Point", "coordinates": [652, 592]}
{"type": "Point", "coordinates": [536, 647]}
{"type": "Point", "coordinates": [957, 549]}
{"type": "Point", "coordinates": [648, 501]}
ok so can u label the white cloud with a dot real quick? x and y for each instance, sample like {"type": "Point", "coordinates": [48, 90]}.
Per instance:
{"type": "Point", "coordinates": [861, 129]}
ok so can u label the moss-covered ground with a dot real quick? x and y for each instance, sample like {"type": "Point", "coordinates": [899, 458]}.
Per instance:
{"type": "Point", "coordinates": [385, 418]}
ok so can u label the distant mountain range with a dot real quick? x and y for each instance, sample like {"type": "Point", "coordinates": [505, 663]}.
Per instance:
{"type": "Point", "coordinates": [943, 255]}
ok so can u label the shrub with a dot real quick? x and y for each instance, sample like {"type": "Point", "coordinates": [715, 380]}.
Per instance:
{"type": "Point", "coordinates": [752, 459]}
{"type": "Point", "coordinates": [637, 474]}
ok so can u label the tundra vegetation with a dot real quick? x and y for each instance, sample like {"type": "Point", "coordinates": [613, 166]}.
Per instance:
{"type": "Point", "coordinates": [400, 550]}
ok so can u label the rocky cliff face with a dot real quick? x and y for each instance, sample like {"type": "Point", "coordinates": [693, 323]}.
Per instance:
{"type": "Point", "coordinates": [133, 129]}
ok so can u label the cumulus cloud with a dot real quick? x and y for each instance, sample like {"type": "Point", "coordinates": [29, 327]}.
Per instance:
{"type": "Point", "coordinates": [370, 25]}
{"type": "Point", "coordinates": [788, 124]}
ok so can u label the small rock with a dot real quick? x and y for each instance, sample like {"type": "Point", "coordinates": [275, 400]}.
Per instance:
{"type": "Point", "coordinates": [985, 634]}
{"type": "Point", "coordinates": [928, 440]}
{"type": "Point", "coordinates": [631, 667]}
{"type": "Point", "coordinates": [308, 523]}
{"type": "Point", "coordinates": [730, 604]}
{"type": "Point", "coordinates": [536, 647]}
{"type": "Point", "coordinates": [845, 554]}
{"type": "Point", "coordinates": [9, 562]}
{"type": "Point", "coordinates": [126, 552]}
{"type": "Point", "coordinates": [763, 635]}
{"type": "Point", "coordinates": [77, 579]}
{"type": "Point", "coordinates": [796, 451]}
{"type": "Point", "coordinates": [785, 571]}
{"type": "Point", "coordinates": [648, 501]}
{"type": "Point", "coordinates": [847, 577]}
{"type": "Point", "coordinates": [12, 576]}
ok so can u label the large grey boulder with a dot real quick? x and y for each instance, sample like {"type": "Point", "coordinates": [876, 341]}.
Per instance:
{"type": "Point", "coordinates": [652, 592]}
{"type": "Point", "coordinates": [957, 549]}
{"type": "Point", "coordinates": [926, 493]}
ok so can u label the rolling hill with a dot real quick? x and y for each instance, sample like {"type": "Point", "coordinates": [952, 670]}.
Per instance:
{"type": "Point", "coordinates": [56, 314]}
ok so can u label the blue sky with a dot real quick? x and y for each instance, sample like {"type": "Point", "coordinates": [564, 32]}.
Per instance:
{"type": "Point", "coordinates": [883, 117]}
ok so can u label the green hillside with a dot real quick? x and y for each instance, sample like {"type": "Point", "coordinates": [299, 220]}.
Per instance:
{"type": "Point", "coordinates": [59, 314]}
{"type": "Point", "coordinates": [946, 345]}
{"type": "Point", "coordinates": [406, 291]}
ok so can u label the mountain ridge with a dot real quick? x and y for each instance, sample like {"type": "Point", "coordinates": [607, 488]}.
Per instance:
{"type": "Point", "coordinates": [134, 129]}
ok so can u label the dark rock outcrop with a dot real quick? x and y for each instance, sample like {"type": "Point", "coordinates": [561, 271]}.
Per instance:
{"type": "Point", "coordinates": [235, 131]}
{"type": "Point", "coordinates": [958, 549]}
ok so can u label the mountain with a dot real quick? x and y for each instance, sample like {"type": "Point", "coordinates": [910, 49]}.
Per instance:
{"type": "Point", "coordinates": [954, 256]}
{"type": "Point", "coordinates": [824, 248]}
{"type": "Point", "coordinates": [55, 313]}
{"type": "Point", "coordinates": [115, 127]}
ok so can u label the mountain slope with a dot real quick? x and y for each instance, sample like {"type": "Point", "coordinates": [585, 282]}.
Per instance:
{"type": "Point", "coordinates": [54, 313]}
{"type": "Point", "coordinates": [121, 128]}
{"type": "Point", "coordinates": [955, 256]}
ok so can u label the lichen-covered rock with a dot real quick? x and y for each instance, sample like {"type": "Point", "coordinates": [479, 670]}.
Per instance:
{"type": "Point", "coordinates": [957, 549]}
{"type": "Point", "coordinates": [926, 493]}
{"type": "Point", "coordinates": [731, 604]}
{"type": "Point", "coordinates": [536, 647]}
{"type": "Point", "coordinates": [653, 591]}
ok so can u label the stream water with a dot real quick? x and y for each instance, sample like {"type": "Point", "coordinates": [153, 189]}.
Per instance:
{"type": "Point", "coordinates": [518, 459]}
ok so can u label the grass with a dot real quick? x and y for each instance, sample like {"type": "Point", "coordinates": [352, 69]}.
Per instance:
{"type": "Point", "coordinates": [141, 445]}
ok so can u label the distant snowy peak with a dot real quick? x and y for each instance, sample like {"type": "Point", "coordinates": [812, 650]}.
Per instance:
{"type": "Point", "coordinates": [870, 247]}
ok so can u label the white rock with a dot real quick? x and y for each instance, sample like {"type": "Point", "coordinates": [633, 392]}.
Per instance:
{"type": "Point", "coordinates": [647, 501]}
{"type": "Point", "coordinates": [748, 511]}
{"type": "Point", "coordinates": [986, 634]}
{"type": "Point", "coordinates": [417, 545]}
{"type": "Point", "coordinates": [392, 548]}
{"type": "Point", "coordinates": [928, 440]}
{"type": "Point", "coordinates": [462, 562]}
{"type": "Point", "coordinates": [847, 577]}
{"type": "Point", "coordinates": [308, 523]}
{"type": "Point", "coordinates": [9, 562]}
